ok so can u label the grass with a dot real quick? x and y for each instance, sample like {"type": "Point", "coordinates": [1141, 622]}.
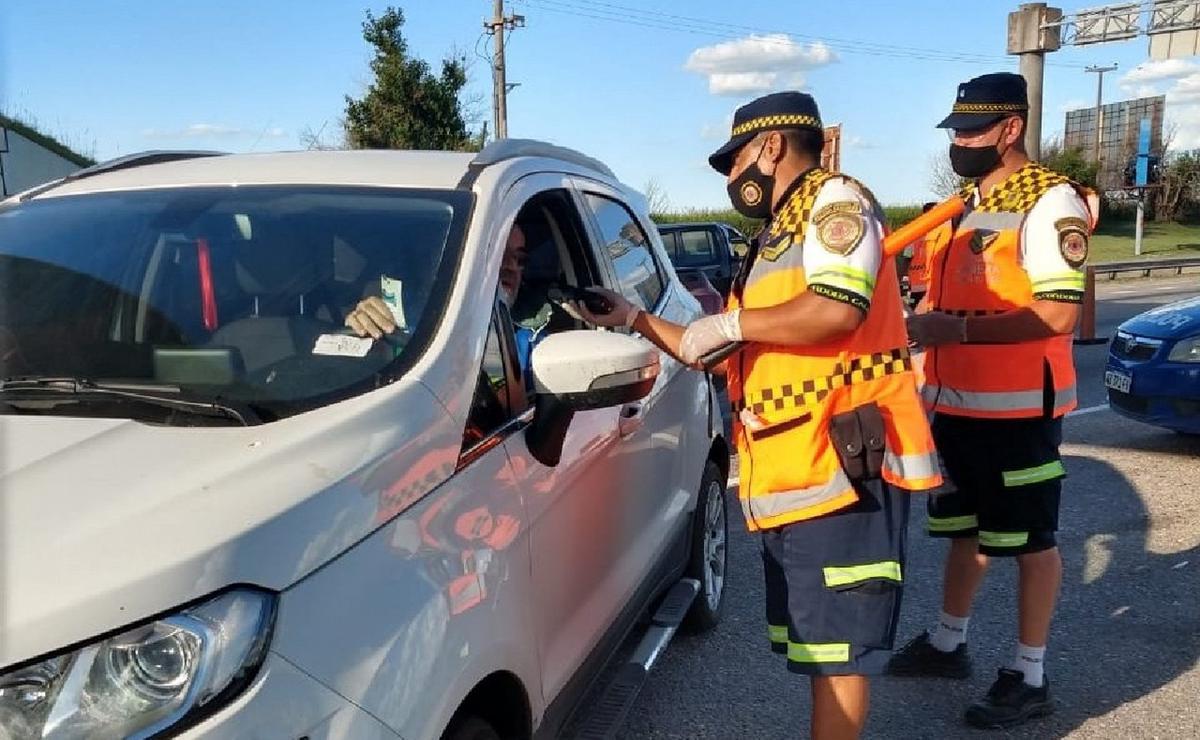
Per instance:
{"type": "Point", "coordinates": [1113, 241]}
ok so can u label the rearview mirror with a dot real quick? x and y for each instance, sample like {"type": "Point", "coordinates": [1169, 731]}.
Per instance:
{"type": "Point", "coordinates": [580, 371]}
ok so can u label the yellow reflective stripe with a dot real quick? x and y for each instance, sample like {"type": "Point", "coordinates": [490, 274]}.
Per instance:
{"type": "Point", "coordinates": [829, 652]}
{"type": "Point", "coordinates": [777, 634]}
{"type": "Point", "coordinates": [843, 276]}
{"type": "Point", "coordinates": [1068, 280]}
{"type": "Point", "coordinates": [953, 523]}
{"type": "Point", "coordinates": [1049, 471]}
{"type": "Point", "coordinates": [1003, 539]}
{"type": "Point", "coordinates": [846, 575]}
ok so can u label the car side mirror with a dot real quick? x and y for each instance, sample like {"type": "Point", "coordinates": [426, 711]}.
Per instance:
{"type": "Point", "coordinates": [581, 371]}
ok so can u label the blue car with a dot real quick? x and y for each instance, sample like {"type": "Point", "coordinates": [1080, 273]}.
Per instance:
{"type": "Point", "coordinates": [1153, 371]}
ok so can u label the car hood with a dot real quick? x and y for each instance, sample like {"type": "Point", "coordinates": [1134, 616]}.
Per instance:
{"type": "Point", "coordinates": [104, 522]}
{"type": "Point", "coordinates": [1172, 321]}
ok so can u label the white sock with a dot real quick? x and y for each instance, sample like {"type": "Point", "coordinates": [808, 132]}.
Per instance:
{"type": "Point", "coordinates": [950, 633]}
{"type": "Point", "coordinates": [1029, 661]}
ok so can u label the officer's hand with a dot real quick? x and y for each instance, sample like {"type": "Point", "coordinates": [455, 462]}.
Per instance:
{"type": "Point", "coordinates": [711, 332]}
{"type": "Point", "coordinates": [933, 329]}
{"type": "Point", "coordinates": [371, 316]}
{"type": "Point", "coordinates": [618, 316]}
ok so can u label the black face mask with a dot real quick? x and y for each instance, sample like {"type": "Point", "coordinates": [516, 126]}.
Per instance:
{"type": "Point", "coordinates": [973, 162]}
{"type": "Point", "coordinates": [752, 192]}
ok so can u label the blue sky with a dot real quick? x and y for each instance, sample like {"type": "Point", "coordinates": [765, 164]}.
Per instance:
{"type": "Point", "coordinates": [648, 87]}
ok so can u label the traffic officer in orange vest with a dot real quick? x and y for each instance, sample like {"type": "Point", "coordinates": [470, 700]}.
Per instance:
{"type": "Point", "coordinates": [918, 263]}
{"type": "Point", "coordinates": [829, 425]}
{"type": "Point", "coordinates": [1003, 300]}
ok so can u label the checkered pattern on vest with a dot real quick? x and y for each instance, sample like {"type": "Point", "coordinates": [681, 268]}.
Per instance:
{"type": "Point", "coordinates": [1019, 192]}
{"type": "Point", "coordinates": [810, 392]}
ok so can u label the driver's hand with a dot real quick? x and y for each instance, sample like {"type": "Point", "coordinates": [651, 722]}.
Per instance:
{"type": "Point", "coordinates": [622, 309]}
{"type": "Point", "coordinates": [371, 317]}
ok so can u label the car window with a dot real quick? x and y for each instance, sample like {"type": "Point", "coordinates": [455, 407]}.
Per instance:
{"type": "Point", "coordinates": [638, 275]}
{"type": "Point", "coordinates": [492, 404]}
{"type": "Point", "coordinates": [237, 293]}
{"type": "Point", "coordinates": [696, 248]}
{"type": "Point", "coordinates": [670, 243]}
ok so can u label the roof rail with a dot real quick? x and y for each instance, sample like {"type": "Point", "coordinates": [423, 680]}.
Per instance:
{"type": "Point", "coordinates": [154, 156]}
{"type": "Point", "coordinates": [505, 149]}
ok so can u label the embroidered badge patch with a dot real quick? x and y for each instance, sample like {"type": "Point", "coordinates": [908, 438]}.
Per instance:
{"type": "Point", "coordinates": [840, 227]}
{"type": "Point", "coordinates": [981, 239]}
{"type": "Point", "coordinates": [1073, 240]}
{"type": "Point", "coordinates": [752, 194]}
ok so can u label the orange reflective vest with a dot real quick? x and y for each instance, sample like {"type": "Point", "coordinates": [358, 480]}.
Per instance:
{"type": "Point", "coordinates": [918, 267]}
{"type": "Point", "coordinates": [790, 470]}
{"type": "Point", "coordinates": [980, 273]}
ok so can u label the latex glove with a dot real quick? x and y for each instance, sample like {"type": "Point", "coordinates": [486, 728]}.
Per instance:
{"type": "Point", "coordinates": [711, 332]}
{"type": "Point", "coordinates": [371, 317]}
{"type": "Point", "coordinates": [623, 312]}
{"type": "Point", "coordinates": [935, 328]}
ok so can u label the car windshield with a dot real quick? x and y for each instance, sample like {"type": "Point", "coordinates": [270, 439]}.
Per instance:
{"type": "Point", "coordinates": [225, 294]}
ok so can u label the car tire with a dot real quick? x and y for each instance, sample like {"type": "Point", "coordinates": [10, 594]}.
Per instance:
{"type": "Point", "coordinates": [470, 728]}
{"type": "Point", "coordinates": [708, 559]}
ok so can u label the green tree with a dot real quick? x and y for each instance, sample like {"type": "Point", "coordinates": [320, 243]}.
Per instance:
{"type": "Point", "coordinates": [407, 106]}
{"type": "Point", "coordinates": [1179, 187]}
{"type": "Point", "coordinates": [1074, 162]}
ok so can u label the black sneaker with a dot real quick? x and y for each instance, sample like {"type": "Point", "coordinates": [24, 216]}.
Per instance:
{"type": "Point", "coordinates": [920, 658]}
{"type": "Point", "coordinates": [1011, 702]}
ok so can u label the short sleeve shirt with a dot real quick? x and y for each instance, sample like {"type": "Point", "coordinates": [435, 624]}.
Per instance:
{"type": "Point", "coordinates": [843, 244]}
{"type": "Point", "coordinates": [1054, 245]}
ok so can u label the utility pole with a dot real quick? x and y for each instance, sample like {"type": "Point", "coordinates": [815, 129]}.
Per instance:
{"type": "Point", "coordinates": [1033, 31]}
{"type": "Point", "coordinates": [1099, 106]}
{"type": "Point", "coordinates": [500, 87]}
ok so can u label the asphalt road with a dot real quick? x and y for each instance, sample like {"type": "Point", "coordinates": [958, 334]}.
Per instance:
{"type": "Point", "coordinates": [1125, 644]}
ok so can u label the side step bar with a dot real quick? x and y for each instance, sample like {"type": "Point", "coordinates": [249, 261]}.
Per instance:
{"type": "Point", "coordinates": [606, 716]}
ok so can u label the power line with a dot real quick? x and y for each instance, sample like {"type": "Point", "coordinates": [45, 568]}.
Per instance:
{"type": "Point", "coordinates": [656, 20]}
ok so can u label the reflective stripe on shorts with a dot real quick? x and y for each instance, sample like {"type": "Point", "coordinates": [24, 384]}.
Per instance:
{"type": "Point", "coordinates": [850, 574]}
{"type": "Point", "coordinates": [829, 652]}
{"type": "Point", "coordinates": [777, 634]}
{"type": "Point", "coordinates": [1037, 474]}
{"type": "Point", "coordinates": [1003, 539]}
{"type": "Point", "coordinates": [953, 523]}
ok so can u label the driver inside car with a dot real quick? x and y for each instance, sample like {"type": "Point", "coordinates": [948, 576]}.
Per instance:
{"type": "Point", "coordinates": [372, 317]}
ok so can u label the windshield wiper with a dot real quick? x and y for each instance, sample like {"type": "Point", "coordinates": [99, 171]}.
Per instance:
{"type": "Point", "coordinates": [163, 396]}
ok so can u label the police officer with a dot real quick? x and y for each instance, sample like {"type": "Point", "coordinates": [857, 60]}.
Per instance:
{"type": "Point", "coordinates": [1003, 300]}
{"type": "Point", "coordinates": [828, 423]}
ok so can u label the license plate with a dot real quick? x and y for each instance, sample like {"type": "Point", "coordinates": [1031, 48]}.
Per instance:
{"type": "Point", "coordinates": [1117, 380]}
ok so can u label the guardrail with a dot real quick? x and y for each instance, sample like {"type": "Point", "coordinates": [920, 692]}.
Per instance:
{"type": "Point", "coordinates": [1112, 269]}
{"type": "Point", "coordinates": [1087, 318]}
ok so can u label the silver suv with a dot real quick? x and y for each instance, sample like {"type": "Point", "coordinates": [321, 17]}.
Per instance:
{"type": "Point", "coordinates": [224, 514]}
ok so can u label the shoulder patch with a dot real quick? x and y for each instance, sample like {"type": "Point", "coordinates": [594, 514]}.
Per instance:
{"type": "Point", "coordinates": [830, 210]}
{"type": "Point", "coordinates": [840, 232]}
{"type": "Point", "coordinates": [1073, 240]}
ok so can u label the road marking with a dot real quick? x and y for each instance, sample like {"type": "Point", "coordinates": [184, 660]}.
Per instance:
{"type": "Point", "coordinates": [1089, 410]}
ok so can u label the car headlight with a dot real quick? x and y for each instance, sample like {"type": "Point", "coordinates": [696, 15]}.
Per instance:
{"type": "Point", "coordinates": [1186, 350]}
{"type": "Point", "coordinates": [144, 680]}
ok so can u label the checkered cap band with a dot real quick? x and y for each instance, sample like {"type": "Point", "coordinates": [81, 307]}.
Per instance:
{"type": "Point", "coordinates": [805, 393]}
{"type": "Point", "coordinates": [990, 107]}
{"type": "Point", "coordinates": [766, 122]}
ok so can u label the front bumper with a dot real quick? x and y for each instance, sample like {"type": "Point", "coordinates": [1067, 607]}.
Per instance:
{"type": "Point", "coordinates": [1165, 394]}
{"type": "Point", "coordinates": [285, 702]}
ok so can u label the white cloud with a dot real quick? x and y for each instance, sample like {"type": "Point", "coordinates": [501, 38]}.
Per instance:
{"type": "Point", "coordinates": [194, 130]}
{"type": "Point", "coordinates": [275, 133]}
{"type": "Point", "coordinates": [1071, 105]}
{"type": "Point", "coordinates": [858, 142]}
{"type": "Point", "coordinates": [1161, 71]}
{"type": "Point", "coordinates": [757, 64]}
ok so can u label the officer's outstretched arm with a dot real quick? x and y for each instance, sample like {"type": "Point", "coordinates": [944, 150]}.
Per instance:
{"type": "Point", "coordinates": [809, 318]}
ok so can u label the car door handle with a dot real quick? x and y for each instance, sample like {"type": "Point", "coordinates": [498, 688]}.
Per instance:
{"type": "Point", "coordinates": [631, 419]}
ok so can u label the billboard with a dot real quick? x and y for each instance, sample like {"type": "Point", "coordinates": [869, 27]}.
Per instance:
{"type": "Point", "coordinates": [1119, 124]}
{"type": "Point", "coordinates": [1174, 29]}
